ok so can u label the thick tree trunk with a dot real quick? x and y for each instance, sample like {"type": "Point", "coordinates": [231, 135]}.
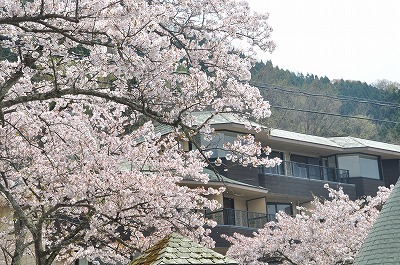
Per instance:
{"type": "Point", "coordinates": [20, 235]}
{"type": "Point", "coordinates": [39, 253]}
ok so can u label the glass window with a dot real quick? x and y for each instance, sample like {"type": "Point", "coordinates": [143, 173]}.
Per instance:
{"type": "Point", "coordinates": [298, 159]}
{"type": "Point", "coordinates": [331, 161]}
{"type": "Point", "coordinates": [369, 167]}
{"type": "Point", "coordinates": [278, 169]}
{"type": "Point", "coordinates": [314, 171]}
{"type": "Point", "coordinates": [351, 163]}
{"type": "Point", "coordinates": [214, 144]}
{"type": "Point", "coordinates": [286, 208]}
{"type": "Point", "coordinates": [217, 141]}
{"type": "Point", "coordinates": [274, 208]}
{"type": "Point", "coordinates": [305, 167]}
{"type": "Point", "coordinates": [360, 165]}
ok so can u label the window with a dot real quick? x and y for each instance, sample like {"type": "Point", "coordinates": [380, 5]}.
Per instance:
{"type": "Point", "coordinates": [360, 165]}
{"type": "Point", "coordinates": [229, 211]}
{"type": "Point", "coordinates": [278, 169]}
{"type": "Point", "coordinates": [274, 208]}
{"type": "Point", "coordinates": [217, 141]}
{"type": "Point", "coordinates": [82, 262]}
{"type": "Point", "coordinates": [305, 167]}
{"type": "Point", "coordinates": [369, 167]}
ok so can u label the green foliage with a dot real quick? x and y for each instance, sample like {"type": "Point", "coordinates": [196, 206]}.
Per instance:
{"type": "Point", "coordinates": [280, 82]}
{"type": "Point", "coordinates": [80, 51]}
{"type": "Point", "coordinates": [26, 1]}
{"type": "Point", "coordinates": [52, 105]}
{"type": "Point", "coordinates": [7, 54]}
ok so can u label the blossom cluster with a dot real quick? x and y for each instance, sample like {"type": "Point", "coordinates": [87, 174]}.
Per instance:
{"type": "Point", "coordinates": [82, 85]}
{"type": "Point", "coordinates": [328, 232]}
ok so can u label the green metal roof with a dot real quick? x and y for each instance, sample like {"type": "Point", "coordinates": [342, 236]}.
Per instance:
{"type": "Point", "coordinates": [353, 142]}
{"type": "Point", "coordinates": [177, 249]}
{"type": "Point", "coordinates": [383, 242]}
{"type": "Point", "coordinates": [162, 129]}
{"type": "Point", "coordinates": [342, 143]}
{"type": "Point", "coordinates": [301, 137]}
{"type": "Point", "coordinates": [222, 118]}
{"type": "Point", "coordinates": [213, 177]}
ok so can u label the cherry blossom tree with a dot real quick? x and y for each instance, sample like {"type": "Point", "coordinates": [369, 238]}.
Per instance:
{"type": "Point", "coordinates": [330, 232]}
{"type": "Point", "coordinates": [82, 85]}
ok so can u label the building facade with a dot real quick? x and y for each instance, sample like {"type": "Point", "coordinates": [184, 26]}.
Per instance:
{"type": "Point", "coordinates": [254, 195]}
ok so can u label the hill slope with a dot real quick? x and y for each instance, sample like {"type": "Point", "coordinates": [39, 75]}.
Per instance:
{"type": "Point", "coordinates": [320, 106]}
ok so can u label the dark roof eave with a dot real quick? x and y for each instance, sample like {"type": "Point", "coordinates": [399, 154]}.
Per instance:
{"type": "Point", "coordinates": [227, 184]}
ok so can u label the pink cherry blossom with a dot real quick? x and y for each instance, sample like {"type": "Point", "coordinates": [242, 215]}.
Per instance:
{"type": "Point", "coordinates": [84, 172]}
{"type": "Point", "coordinates": [329, 232]}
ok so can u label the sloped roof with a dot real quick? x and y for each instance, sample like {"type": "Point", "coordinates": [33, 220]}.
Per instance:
{"type": "Point", "coordinates": [222, 118]}
{"type": "Point", "coordinates": [301, 137]}
{"type": "Point", "coordinates": [382, 244]}
{"type": "Point", "coordinates": [215, 178]}
{"type": "Point", "coordinates": [163, 129]}
{"type": "Point", "coordinates": [353, 142]}
{"type": "Point", "coordinates": [345, 142]}
{"type": "Point", "coordinates": [177, 249]}
{"type": "Point", "coordinates": [341, 143]}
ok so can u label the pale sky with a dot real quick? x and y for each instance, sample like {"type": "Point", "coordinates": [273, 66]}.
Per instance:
{"type": "Point", "coordinates": [349, 39]}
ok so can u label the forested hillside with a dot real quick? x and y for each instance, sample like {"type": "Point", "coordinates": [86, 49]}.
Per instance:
{"type": "Point", "coordinates": [320, 106]}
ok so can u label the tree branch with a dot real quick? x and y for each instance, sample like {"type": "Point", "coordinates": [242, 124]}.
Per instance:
{"type": "Point", "coordinates": [74, 91]}
{"type": "Point", "coordinates": [17, 209]}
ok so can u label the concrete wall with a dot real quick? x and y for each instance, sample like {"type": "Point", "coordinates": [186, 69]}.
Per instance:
{"type": "Point", "coordinates": [301, 186]}
{"type": "Point", "coordinates": [391, 171]}
{"type": "Point", "coordinates": [240, 204]}
{"type": "Point", "coordinates": [366, 186]}
{"type": "Point", "coordinates": [257, 205]}
{"type": "Point", "coordinates": [218, 197]}
{"type": "Point", "coordinates": [247, 175]}
{"type": "Point", "coordinates": [219, 230]}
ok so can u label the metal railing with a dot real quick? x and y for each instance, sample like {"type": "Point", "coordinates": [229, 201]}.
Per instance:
{"type": "Point", "coordinates": [227, 216]}
{"type": "Point", "coordinates": [301, 170]}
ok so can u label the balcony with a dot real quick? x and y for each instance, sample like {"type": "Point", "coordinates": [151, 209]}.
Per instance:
{"type": "Point", "coordinates": [226, 216]}
{"type": "Point", "coordinates": [300, 170]}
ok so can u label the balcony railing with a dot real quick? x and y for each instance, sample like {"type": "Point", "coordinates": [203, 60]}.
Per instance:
{"type": "Point", "coordinates": [226, 216]}
{"type": "Point", "coordinates": [289, 168]}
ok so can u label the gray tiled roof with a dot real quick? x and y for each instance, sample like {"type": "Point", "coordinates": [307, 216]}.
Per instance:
{"type": "Point", "coordinates": [382, 245]}
{"type": "Point", "coordinates": [177, 249]}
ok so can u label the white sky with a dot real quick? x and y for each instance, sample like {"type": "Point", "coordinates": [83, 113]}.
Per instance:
{"type": "Point", "coordinates": [349, 39]}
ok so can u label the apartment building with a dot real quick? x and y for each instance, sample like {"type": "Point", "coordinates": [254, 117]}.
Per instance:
{"type": "Point", "coordinates": [254, 195]}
